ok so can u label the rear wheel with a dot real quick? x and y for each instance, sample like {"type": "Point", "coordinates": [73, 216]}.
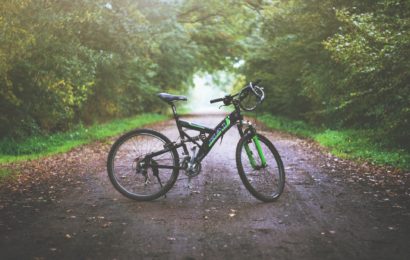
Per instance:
{"type": "Point", "coordinates": [135, 176]}
{"type": "Point", "coordinates": [260, 167]}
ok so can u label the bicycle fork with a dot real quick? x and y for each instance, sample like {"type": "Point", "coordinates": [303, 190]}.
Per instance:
{"type": "Point", "coordinates": [251, 130]}
{"type": "Point", "coordinates": [250, 155]}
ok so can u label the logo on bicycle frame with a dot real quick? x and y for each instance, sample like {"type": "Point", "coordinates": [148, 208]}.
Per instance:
{"type": "Point", "coordinates": [219, 131]}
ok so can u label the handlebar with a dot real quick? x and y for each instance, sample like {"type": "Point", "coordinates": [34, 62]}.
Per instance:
{"type": "Point", "coordinates": [252, 87]}
{"type": "Point", "coordinates": [216, 100]}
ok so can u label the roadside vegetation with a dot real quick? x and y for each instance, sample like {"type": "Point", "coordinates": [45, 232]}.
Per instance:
{"type": "Point", "coordinates": [36, 147]}
{"type": "Point", "coordinates": [357, 144]}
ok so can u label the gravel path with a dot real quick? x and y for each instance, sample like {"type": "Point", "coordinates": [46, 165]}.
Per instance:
{"type": "Point", "coordinates": [64, 207]}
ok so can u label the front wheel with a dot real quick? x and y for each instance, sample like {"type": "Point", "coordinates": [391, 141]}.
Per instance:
{"type": "Point", "coordinates": [260, 167]}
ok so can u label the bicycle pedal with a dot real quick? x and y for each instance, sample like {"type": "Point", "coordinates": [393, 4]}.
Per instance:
{"type": "Point", "coordinates": [189, 184]}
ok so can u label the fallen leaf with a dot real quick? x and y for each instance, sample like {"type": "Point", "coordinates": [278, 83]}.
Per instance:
{"type": "Point", "coordinates": [105, 225]}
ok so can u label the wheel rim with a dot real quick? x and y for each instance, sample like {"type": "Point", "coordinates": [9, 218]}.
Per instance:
{"type": "Point", "coordinates": [125, 160]}
{"type": "Point", "coordinates": [266, 181]}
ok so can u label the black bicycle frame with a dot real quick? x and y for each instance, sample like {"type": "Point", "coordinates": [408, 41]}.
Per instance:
{"type": "Point", "coordinates": [213, 136]}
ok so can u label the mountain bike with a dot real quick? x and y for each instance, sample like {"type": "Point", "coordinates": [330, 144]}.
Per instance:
{"type": "Point", "coordinates": [144, 164]}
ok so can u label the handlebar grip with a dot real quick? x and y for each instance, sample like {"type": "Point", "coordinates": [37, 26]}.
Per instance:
{"type": "Point", "coordinates": [216, 100]}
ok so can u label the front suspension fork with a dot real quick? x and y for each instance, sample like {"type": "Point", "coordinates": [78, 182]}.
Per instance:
{"type": "Point", "coordinates": [258, 146]}
{"type": "Point", "coordinates": [251, 130]}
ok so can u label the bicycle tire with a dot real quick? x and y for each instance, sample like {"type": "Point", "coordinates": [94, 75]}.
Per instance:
{"type": "Point", "coordinates": [274, 182]}
{"type": "Point", "coordinates": [128, 172]}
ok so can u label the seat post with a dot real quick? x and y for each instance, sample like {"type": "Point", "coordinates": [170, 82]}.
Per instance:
{"type": "Point", "coordinates": [181, 133]}
{"type": "Point", "coordinates": [174, 111]}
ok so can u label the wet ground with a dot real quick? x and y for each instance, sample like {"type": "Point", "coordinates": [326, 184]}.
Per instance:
{"type": "Point", "coordinates": [64, 207]}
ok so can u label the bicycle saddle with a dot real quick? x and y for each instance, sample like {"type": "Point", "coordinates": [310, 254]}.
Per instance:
{"type": "Point", "coordinates": [170, 98]}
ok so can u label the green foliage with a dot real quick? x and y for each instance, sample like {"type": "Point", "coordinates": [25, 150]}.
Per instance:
{"type": "Point", "coordinates": [39, 146]}
{"type": "Point", "coordinates": [67, 62]}
{"type": "Point", "coordinates": [349, 144]}
{"type": "Point", "coordinates": [374, 46]}
{"type": "Point", "coordinates": [296, 127]}
{"type": "Point", "coordinates": [335, 62]}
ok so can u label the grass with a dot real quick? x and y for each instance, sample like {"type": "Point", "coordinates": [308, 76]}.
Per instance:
{"type": "Point", "coordinates": [4, 173]}
{"type": "Point", "coordinates": [41, 146]}
{"type": "Point", "coordinates": [347, 143]}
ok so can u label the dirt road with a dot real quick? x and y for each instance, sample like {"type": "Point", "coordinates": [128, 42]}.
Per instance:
{"type": "Point", "coordinates": [64, 207]}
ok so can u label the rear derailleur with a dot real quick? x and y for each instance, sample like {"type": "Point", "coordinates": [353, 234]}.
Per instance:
{"type": "Point", "coordinates": [142, 166]}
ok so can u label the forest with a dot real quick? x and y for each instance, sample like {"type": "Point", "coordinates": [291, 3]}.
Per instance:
{"type": "Point", "coordinates": [331, 63]}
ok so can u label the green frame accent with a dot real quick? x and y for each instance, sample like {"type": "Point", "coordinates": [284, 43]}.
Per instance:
{"type": "Point", "coordinates": [227, 125]}
{"type": "Point", "coordinates": [250, 156]}
{"type": "Point", "coordinates": [259, 148]}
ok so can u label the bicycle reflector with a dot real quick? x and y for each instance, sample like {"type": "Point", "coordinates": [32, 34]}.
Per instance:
{"type": "Point", "coordinates": [250, 97]}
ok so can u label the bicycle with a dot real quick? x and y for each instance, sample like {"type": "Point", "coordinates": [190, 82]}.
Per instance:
{"type": "Point", "coordinates": [144, 164]}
